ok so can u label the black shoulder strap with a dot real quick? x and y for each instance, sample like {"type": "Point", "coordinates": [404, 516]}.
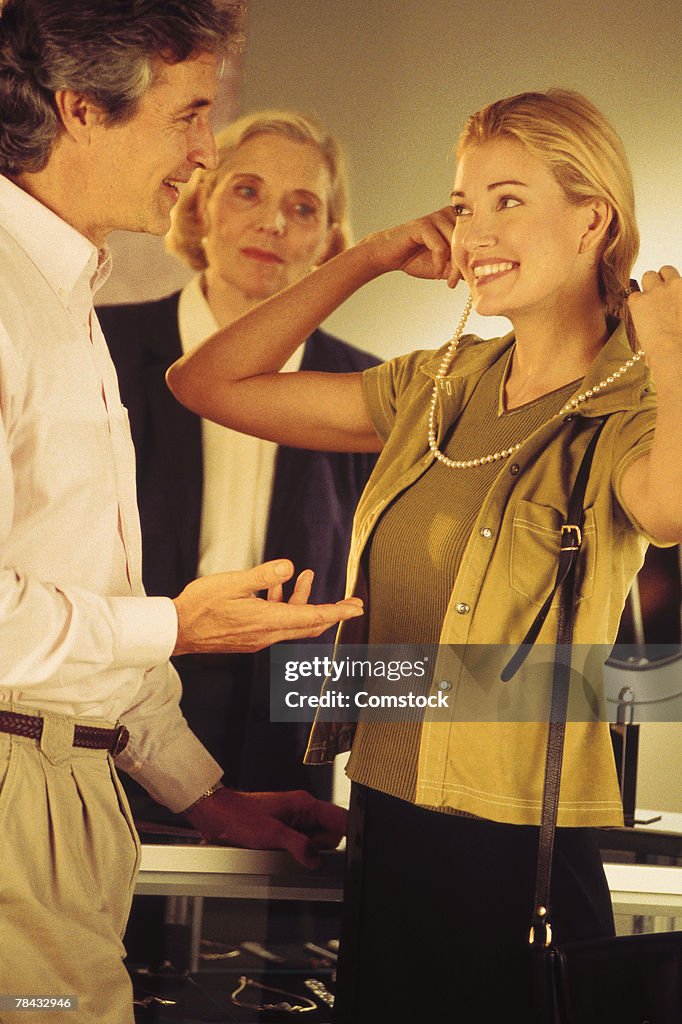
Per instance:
{"type": "Point", "coordinates": [571, 541]}
{"type": "Point", "coordinates": [541, 933]}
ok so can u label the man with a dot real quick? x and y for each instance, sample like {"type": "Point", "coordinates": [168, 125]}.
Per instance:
{"type": "Point", "coordinates": [103, 111]}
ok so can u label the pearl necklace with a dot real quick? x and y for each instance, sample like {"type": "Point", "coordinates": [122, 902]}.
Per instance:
{"type": "Point", "coordinates": [503, 453]}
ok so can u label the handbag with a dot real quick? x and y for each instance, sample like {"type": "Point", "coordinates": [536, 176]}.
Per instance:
{"type": "Point", "coordinates": [632, 979]}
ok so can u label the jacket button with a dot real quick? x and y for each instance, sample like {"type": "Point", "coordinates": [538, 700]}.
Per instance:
{"type": "Point", "coordinates": [514, 469]}
{"type": "Point", "coordinates": [445, 684]}
{"type": "Point", "coordinates": [486, 532]}
{"type": "Point", "coordinates": [463, 608]}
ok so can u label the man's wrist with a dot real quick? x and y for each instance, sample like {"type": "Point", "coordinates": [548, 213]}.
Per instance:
{"type": "Point", "coordinates": [204, 796]}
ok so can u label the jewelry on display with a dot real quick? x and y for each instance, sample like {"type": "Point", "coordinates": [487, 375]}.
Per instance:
{"type": "Point", "coordinates": [216, 951]}
{"type": "Point", "coordinates": [503, 453]}
{"type": "Point", "coordinates": [319, 989]}
{"type": "Point", "coordinates": [256, 949]}
{"type": "Point", "coordinates": [284, 1005]}
{"type": "Point", "coordinates": [143, 997]}
{"type": "Point", "coordinates": [321, 951]}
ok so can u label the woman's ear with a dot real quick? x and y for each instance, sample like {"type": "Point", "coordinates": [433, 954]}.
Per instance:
{"type": "Point", "coordinates": [600, 213]}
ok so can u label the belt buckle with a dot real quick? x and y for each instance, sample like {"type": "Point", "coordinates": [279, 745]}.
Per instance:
{"type": "Point", "coordinates": [120, 741]}
{"type": "Point", "coordinates": [575, 540]}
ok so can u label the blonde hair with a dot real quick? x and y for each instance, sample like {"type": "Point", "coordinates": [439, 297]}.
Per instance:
{"type": "Point", "coordinates": [584, 151]}
{"type": "Point", "coordinates": [184, 237]}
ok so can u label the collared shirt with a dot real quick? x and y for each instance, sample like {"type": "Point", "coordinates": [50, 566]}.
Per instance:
{"type": "Point", "coordinates": [77, 633]}
{"type": "Point", "coordinates": [494, 768]}
{"type": "Point", "coordinates": [238, 469]}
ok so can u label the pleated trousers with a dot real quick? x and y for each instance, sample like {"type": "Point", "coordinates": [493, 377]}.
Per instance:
{"type": "Point", "coordinates": [69, 855]}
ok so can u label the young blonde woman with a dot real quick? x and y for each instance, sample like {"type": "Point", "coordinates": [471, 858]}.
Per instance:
{"type": "Point", "coordinates": [458, 532]}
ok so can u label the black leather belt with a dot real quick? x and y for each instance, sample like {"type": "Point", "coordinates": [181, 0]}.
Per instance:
{"type": "Point", "coordinates": [91, 736]}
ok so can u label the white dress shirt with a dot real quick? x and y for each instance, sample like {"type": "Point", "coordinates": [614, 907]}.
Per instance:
{"type": "Point", "coordinates": [238, 470]}
{"type": "Point", "coordinates": [77, 633]}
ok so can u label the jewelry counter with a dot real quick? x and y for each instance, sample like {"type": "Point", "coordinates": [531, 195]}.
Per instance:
{"type": "Point", "coordinates": [643, 868]}
{"type": "Point", "coordinates": [223, 871]}
{"type": "Point", "coordinates": [219, 871]}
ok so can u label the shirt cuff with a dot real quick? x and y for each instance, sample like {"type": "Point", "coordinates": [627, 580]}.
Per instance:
{"type": "Point", "coordinates": [147, 630]}
{"type": "Point", "coordinates": [374, 392]}
{"type": "Point", "coordinates": [180, 773]}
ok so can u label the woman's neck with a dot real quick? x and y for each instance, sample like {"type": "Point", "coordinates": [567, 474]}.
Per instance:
{"type": "Point", "coordinates": [226, 302]}
{"type": "Point", "coordinates": [553, 351]}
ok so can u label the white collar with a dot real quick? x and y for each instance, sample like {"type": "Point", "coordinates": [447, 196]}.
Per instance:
{"type": "Point", "coordinates": [60, 253]}
{"type": "Point", "coordinates": [196, 322]}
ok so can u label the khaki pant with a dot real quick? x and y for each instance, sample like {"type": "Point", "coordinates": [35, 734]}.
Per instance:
{"type": "Point", "coordinates": [68, 859]}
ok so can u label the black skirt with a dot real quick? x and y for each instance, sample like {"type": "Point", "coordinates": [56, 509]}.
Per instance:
{"type": "Point", "coordinates": [437, 911]}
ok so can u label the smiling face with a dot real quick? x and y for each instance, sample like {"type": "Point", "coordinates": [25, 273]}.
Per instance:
{"type": "Point", "coordinates": [135, 166]}
{"type": "Point", "coordinates": [267, 219]}
{"type": "Point", "coordinates": [520, 245]}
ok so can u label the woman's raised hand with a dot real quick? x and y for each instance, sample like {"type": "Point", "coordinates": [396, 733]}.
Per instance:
{"type": "Point", "coordinates": [420, 248]}
{"type": "Point", "coordinates": [657, 313]}
{"type": "Point", "coordinates": [233, 378]}
{"type": "Point", "coordinates": [651, 485]}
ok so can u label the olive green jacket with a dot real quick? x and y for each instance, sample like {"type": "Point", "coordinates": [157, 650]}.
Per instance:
{"type": "Point", "coordinates": [476, 761]}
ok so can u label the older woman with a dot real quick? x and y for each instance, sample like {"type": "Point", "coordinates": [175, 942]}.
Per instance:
{"type": "Point", "coordinates": [458, 534]}
{"type": "Point", "coordinates": [212, 500]}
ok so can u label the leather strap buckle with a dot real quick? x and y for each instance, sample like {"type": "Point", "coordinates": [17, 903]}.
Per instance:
{"type": "Point", "coordinates": [571, 537]}
{"type": "Point", "coordinates": [120, 741]}
{"type": "Point", "coordinates": [540, 930]}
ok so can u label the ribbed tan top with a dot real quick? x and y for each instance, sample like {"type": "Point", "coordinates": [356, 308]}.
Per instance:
{"type": "Point", "coordinates": [415, 552]}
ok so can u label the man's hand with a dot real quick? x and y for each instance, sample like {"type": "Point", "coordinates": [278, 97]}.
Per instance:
{"type": "Point", "coordinates": [293, 821]}
{"type": "Point", "coordinates": [221, 613]}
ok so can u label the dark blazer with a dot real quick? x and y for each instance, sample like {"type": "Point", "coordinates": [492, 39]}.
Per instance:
{"type": "Point", "coordinates": [313, 500]}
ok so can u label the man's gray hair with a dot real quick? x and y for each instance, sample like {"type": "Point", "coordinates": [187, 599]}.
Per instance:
{"type": "Point", "coordinates": [102, 48]}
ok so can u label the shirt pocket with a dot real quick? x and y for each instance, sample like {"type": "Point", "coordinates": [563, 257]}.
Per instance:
{"type": "Point", "coordinates": [535, 546]}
